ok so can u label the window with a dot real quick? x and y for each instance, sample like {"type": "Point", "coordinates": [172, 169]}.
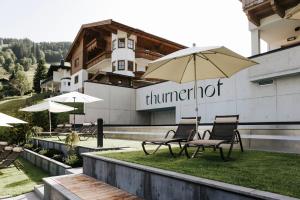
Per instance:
{"type": "Point", "coordinates": [130, 66]}
{"type": "Point", "coordinates": [76, 62]}
{"type": "Point", "coordinates": [76, 79]}
{"type": "Point", "coordinates": [114, 44]}
{"type": "Point", "coordinates": [121, 43]}
{"type": "Point", "coordinates": [113, 66]}
{"type": "Point", "coordinates": [121, 65]}
{"type": "Point", "coordinates": [130, 44]}
{"type": "Point", "coordinates": [69, 83]}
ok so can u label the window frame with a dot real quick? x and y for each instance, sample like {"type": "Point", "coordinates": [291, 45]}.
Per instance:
{"type": "Point", "coordinates": [128, 42]}
{"type": "Point", "coordinates": [76, 79]}
{"type": "Point", "coordinates": [76, 62]}
{"type": "Point", "coordinates": [132, 66]}
{"type": "Point", "coordinates": [121, 61]}
{"type": "Point", "coordinates": [113, 65]}
{"type": "Point", "coordinates": [119, 46]}
{"type": "Point", "coordinates": [114, 46]}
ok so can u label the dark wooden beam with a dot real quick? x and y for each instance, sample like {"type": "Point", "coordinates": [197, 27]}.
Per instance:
{"type": "Point", "coordinates": [277, 8]}
{"type": "Point", "coordinates": [253, 18]}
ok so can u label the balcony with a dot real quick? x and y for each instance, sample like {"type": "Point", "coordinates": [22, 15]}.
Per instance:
{"type": "Point", "coordinates": [275, 64]}
{"type": "Point", "coordinates": [250, 3]}
{"type": "Point", "coordinates": [147, 54]}
{"type": "Point", "coordinates": [100, 57]}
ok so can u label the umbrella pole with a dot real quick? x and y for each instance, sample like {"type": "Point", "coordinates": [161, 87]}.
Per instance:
{"type": "Point", "coordinates": [49, 121]}
{"type": "Point", "coordinates": [195, 91]}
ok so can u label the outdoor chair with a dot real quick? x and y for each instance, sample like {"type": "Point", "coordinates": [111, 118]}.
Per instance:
{"type": "Point", "coordinates": [6, 151]}
{"type": "Point", "coordinates": [63, 130]}
{"type": "Point", "coordinates": [11, 158]}
{"type": "Point", "coordinates": [88, 130]}
{"type": "Point", "coordinates": [185, 132]}
{"type": "Point", "coordinates": [224, 131]}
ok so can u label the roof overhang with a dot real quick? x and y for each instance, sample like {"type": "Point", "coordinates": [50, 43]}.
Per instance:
{"type": "Point", "coordinates": [112, 26]}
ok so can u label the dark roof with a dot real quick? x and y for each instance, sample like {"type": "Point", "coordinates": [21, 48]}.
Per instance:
{"type": "Point", "coordinates": [113, 25]}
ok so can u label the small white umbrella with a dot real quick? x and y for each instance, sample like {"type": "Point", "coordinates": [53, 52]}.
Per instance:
{"type": "Point", "coordinates": [74, 97]}
{"type": "Point", "coordinates": [52, 107]}
{"type": "Point", "coordinates": [4, 124]}
{"type": "Point", "coordinates": [192, 64]}
{"type": "Point", "coordinates": [6, 119]}
{"type": "Point", "coordinates": [294, 13]}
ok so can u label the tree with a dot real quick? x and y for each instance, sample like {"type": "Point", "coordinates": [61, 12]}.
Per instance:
{"type": "Point", "coordinates": [40, 74]}
{"type": "Point", "coordinates": [20, 82]}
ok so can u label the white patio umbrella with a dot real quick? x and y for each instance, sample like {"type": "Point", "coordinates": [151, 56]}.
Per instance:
{"type": "Point", "coordinates": [294, 13]}
{"type": "Point", "coordinates": [195, 63]}
{"type": "Point", "coordinates": [52, 107]}
{"type": "Point", "coordinates": [4, 124]}
{"type": "Point", "coordinates": [74, 97]}
{"type": "Point", "coordinates": [6, 119]}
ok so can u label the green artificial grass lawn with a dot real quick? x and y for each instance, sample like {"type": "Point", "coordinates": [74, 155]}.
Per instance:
{"type": "Point", "coordinates": [273, 172]}
{"type": "Point", "coordinates": [14, 182]}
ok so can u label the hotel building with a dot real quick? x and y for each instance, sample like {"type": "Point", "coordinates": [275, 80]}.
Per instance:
{"type": "Point", "coordinates": [108, 59]}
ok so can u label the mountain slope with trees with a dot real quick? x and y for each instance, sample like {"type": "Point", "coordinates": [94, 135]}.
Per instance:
{"type": "Point", "coordinates": [19, 59]}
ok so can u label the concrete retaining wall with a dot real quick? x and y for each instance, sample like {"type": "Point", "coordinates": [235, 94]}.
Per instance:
{"type": "Point", "coordinates": [151, 183]}
{"type": "Point", "coordinates": [63, 147]}
{"type": "Point", "coordinates": [54, 167]}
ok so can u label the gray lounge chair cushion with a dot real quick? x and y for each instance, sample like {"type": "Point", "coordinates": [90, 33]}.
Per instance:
{"type": "Point", "coordinates": [187, 121]}
{"type": "Point", "coordinates": [206, 142]}
{"type": "Point", "coordinates": [226, 120]}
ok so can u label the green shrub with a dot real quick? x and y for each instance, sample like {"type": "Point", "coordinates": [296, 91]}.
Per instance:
{"type": "Point", "coordinates": [28, 146]}
{"type": "Point", "coordinates": [43, 152]}
{"type": "Point", "coordinates": [73, 160]}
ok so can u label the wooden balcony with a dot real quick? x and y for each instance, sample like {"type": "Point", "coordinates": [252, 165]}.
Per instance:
{"type": "Point", "coordinates": [98, 58]}
{"type": "Point", "coordinates": [147, 54]}
{"type": "Point", "coordinates": [259, 9]}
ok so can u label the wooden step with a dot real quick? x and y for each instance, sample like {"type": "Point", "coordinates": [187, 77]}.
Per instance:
{"type": "Point", "coordinates": [80, 186]}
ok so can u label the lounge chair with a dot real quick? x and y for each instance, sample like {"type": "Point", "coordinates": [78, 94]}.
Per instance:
{"type": "Point", "coordinates": [88, 130]}
{"type": "Point", "coordinates": [6, 151]}
{"type": "Point", "coordinates": [63, 130]}
{"type": "Point", "coordinates": [224, 131]}
{"type": "Point", "coordinates": [11, 158]}
{"type": "Point", "coordinates": [185, 132]}
{"type": "Point", "coordinates": [2, 145]}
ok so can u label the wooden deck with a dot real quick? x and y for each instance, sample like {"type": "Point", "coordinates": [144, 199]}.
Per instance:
{"type": "Point", "coordinates": [88, 188]}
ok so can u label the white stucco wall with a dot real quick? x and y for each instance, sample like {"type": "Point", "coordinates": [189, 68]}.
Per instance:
{"type": "Point", "coordinates": [117, 107]}
{"type": "Point", "coordinates": [279, 101]}
{"type": "Point", "coordinates": [82, 76]}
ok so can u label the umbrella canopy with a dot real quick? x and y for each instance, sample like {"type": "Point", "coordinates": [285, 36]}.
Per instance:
{"type": "Point", "coordinates": [4, 124]}
{"type": "Point", "coordinates": [195, 63]}
{"type": "Point", "coordinates": [75, 97]}
{"type": "Point", "coordinates": [48, 105]}
{"type": "Point", "coordinates": [211, 62]}
{"type": "Point", "coordinates": [294, 13]}
{"type": "Point", "coordinates": [52, 107]}
{"type": "Point", "coordinates": [6, 119]}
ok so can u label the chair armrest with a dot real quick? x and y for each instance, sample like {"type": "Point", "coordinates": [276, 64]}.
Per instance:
{"type": "Point", "coordinates": [204, 133]}
{"type": "Point", "coordinates": [167, 134]}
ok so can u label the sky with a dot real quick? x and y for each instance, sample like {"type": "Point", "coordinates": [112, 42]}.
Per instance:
{"type": "Point", "coordinates": [204, 22]}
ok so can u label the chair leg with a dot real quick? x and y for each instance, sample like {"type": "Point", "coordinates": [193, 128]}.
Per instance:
{"type": "Point", "coordinates": [222, 154]}
{"type": "Point", "coordinates": [144, 149]}
{"type": "Point", "coordinates": [180, 145]}
{"type": "Point", "coordinates": [230, 150]}
{"type": "Point", "coordinates": [240, 141]}
{"type": "Point", "coordinates": [186, 151]}
{"type": "Point", "coordinates": [196, 152]}
{"type": "Point", "coordinates": [170, 149]}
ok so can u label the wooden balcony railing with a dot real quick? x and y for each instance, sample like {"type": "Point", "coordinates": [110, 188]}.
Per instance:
{"type": "Point", "coordinates": [98, 58]}
{"type": "Point", "coordinates": [249, 3]}
{"type": "Point", "coordinates": [147, 54]}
